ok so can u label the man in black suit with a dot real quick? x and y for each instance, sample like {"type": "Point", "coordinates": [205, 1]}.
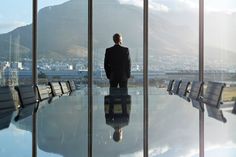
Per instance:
{"type": "Point", "coordinates": [117, 63]}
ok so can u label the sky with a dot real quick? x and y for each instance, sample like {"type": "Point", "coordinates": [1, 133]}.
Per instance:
{"type": "Point", "coordinates": [14, 13]}
{"type": "Point", "coordinates": [178, 5]}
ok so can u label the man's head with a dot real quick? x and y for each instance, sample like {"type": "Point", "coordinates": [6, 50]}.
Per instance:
{"type": "Point", "coordinates": [117, 38]}
{"type": "Point", "coordinates": [117, 135]}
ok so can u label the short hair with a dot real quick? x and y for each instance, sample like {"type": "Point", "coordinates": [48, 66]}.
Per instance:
{"type": "Point", "coordinates": [117, 38]}
{"type": "Point", "coordinates": [117, 135]}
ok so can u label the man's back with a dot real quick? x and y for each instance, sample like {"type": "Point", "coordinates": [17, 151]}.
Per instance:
{"type": "Point", "coordinates": [117, 63]}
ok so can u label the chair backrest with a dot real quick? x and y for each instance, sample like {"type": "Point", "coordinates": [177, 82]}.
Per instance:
{"type": "Point", "coordinates": [28, 101]}
{"type": "Point", "coordinates": [7, 107]}
{"type": "Point", "coordinates": [195, 93]}
{"type": "Point", "coordinates": [64, 87]}
{"type": "Point", "coordinates": [56, 88]}
{"type": "Point", "coordinates": [183, 89]}
{"type": "Point", "coordinates": [72, 85]}
{"type": "Point", "coordinates": [195, 90]}
{"type": "Point", "coordinates": [43, 92]}
{"type": "Point", "coordinates": [6, 100]}
{"type": "Point", "coordinates": [213, 93]}
{"type": "Point", "coordinates": [26, 95]}
{"type": "Point", "coordinates": [170, 86]}
{"type": "Point", "coordinates": [176, 86]}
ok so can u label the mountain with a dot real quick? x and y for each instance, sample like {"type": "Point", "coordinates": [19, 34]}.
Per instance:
{"type": "Point", "coordinates": [62, 30]}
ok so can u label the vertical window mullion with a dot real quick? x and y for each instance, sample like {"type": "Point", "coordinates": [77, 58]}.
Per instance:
{"type": "Point", "coordinates": [34, 72]}
{"type": "Point", "coordinates": [145, 78]}
{"type": "Point", "coordinates": [90, 78]}
{"type": "Point", "coordinates": [201, 74]}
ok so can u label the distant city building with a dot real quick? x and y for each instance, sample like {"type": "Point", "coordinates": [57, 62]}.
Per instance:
{"type": "Point", "coordinates": [17, 65]}
{"type": "Point", "coordinates": [70, 67]}
{"type": "Point", "coordinates": [10, 76]}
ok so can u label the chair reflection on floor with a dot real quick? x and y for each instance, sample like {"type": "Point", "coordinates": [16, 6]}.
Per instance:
{"type": "Point", "coordinates": [7, 107]}
{"type": "Point", "coordinates": [28, 102]}
{"type": "Point", "coordinates": [117, 107]}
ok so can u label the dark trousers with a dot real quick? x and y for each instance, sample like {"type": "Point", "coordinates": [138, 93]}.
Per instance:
{"type": "Point", "coordinates": [122, 84]}
{"type": "Point", "coordinates": [122, 90]}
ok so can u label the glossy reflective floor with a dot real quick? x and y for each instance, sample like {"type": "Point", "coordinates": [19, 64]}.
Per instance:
{"type": "Point", "coordinates": [173, 129]}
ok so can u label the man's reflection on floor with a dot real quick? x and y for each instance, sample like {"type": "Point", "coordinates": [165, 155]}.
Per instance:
{"type": "Point", "coordinates": [117, 106]}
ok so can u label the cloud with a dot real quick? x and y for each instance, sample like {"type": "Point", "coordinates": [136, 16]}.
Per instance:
{"type": "Point", "coordinates": [215, 148]}
{"type": "Point", "coordinates": [138, 3]}
{"type": "Point", "coordinates": [230, 11]}
{"type": "Point", "coordinates": [158, 151]}
{"type": "Point", "coordinates": [152, 152]}
{"type": "Point", "coordinates": [46, 3]}
{"type": "Point", "coordinates": [215, 10]}
{"type": "Point", "coordinates": [209, 7]}
{"type": "Point", "coordinates": [153, 5]}
{"type": "Point", "coordinates": [8, 26]}
{"type": "Point", "coordinates": [135, 154]}
{"type": "Point", "coordinates": [158, 6]}
{"type": "Point", "coordinates": [189, 3]}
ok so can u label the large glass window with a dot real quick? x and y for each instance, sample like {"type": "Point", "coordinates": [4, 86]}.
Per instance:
{"type": "Point", "coordinates": [15, 43]}
{"type": "Point", "coordinates": [62, 56]}
{"type": "Point", "coordinates": [173, 54]}
{"type": "Point", "coordinates": [220, 66]}
{"type": "Point", "coordinates": [15, 69]}
{"type": "Point", "coordinates": [118, 120]}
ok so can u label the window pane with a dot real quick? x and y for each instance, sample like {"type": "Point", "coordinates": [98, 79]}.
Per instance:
{"type": "Point", "coordinates": [15, 69]}
{"type": "Point", "coordinates": [173, 54]}
{"type": "Point", "coordinates": [115, 109]}
{"type": "Point", "coordinates": [15, 40]}
{"type": "Point", "coordinates": [220, 65]}
{"type": "Point", "coordinates": [62, 56]}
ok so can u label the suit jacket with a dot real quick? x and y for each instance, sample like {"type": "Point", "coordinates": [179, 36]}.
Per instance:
{"type": "Point", "coordinates": [117, 63]}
